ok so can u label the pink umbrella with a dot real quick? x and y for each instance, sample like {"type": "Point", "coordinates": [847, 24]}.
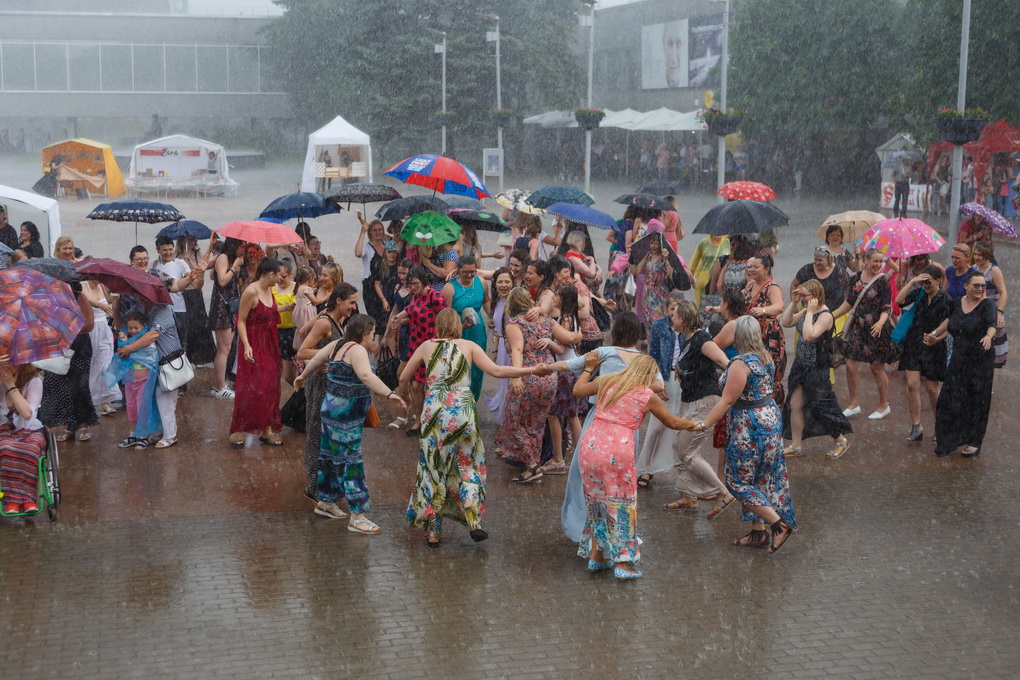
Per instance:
{"type": "Point", "coordinates": [997, 221]}
{"type": "Point", "coordinates": [901, 237]}
{"type": "Point", "coordinates": [258, 231]}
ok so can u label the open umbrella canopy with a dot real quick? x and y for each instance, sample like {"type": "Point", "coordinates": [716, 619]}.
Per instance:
{"type": "Point", "coordinates": [582, 214]}
{"type": "Point", "coordinates": [430, 228]}
{"type": "Point", "coordinates": [190, 228]}
{"type": "Point", "coordinates": [853, 223]}
{"type": "Point", "coordinates": [55, 268]}
{"type": "Point", "coordinates": [482, 220]}
{"type": "Point", "coordinates": [659, 188]}
{"type": "Point", "coordinates": [402, 208]}
{"type": "Point", "coordinates": [39, 316]}
{"type": "Point", "coordinates": [124, 279]}
{"type": "Point", "coordinates": [135, 210]}
{"type": "Point", "coordinates": [558, 193]}
{"type": "Point", "coordinates": [301, 204]}
{"type": "Point", "coordinates": [741, 217]}
{"type": "Point", "coordinates": [645, 201]}
{"type": "Point", "coordinates": [258, 231]}
{"type": "Point", "coordinates": [362, 192]}
{"type": "Point", "coordinates": [997, 221]}
{"type": "Point", "coordinates": [439, 173]}
{"type": "Point", "coordinates": [464, 203]}
{"type": "Point", "coordinates": [901, 237]}
{"type": "Point", "coordinates": [746, 191]}
{"type": "Point", "coordinates": [517, 199]}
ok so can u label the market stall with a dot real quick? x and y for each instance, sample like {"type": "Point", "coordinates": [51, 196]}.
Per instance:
{"type": "Point", "coordinates": [83, 165]}
{"type": "Point", "coordinates": [337, 152]}
{"type": "Point", "coordinates": [181, 164]}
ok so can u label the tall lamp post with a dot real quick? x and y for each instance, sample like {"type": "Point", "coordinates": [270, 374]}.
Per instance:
{"type": "Point", "coordinates": [961, 102]}
{"type": "Point", "coordinates": [493, 36]}
{"type": "Point", "coordinates": [589, 21]}
{"type": "Point", "coordinates": [441, 49]}
{"type": "Point", "coordinates": [720, 156]}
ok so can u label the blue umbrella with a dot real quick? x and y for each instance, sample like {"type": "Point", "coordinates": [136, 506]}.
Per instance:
{"type": "Point", "coordinates": [582, 214]}
{"type": "Point", "coordinates": [300, 205]}
{"type": "Point", "coordinates": [439, 173]}
{"type": "Point", "coordinates": [558, 193]}
{"type": "Point", "coordinates": [136, 210]}
{"type": "Point", "coordinates": [189, 228]}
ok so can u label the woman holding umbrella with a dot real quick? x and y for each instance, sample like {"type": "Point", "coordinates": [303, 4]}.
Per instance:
{"type": "Point", "coordinates": [977, 229]}
{"type": "Point", "coordinates": [22, 438]}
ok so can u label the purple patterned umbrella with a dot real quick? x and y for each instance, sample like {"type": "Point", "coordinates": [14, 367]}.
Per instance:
{"type": "Point", "coordinates": [997, 221]}
{"type": "Point", "coordinates": [39, 316]}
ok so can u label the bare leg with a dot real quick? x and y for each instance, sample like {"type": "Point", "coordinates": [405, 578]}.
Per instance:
{"type": "Point", "coordinates": [914, 396]}
{"type": "Point", "coordinates": [556, 435]}
{"type": "Point", "coordinates": [853, 383]}
{"type": "Point", "coordinates": [223, 340]}
{"type": "Point", "coordinates": [882, 382]}
{"type": "Point", "coordinates": [797, 416]}
{"type": "Point", "coordinates": [934, 388]}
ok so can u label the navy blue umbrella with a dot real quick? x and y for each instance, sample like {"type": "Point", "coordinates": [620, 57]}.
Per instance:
{"type": "Point", "coordinates": [190, 228]}
{"type": "Point", "coordinates": [300, 205]}
{"type": "Point", "coordinates": [62, 270]}
{"type": "Point", "coordinates": [582, 214]}
{"type": "Point", "coordinates": [136, 210]}
{"type": "Point", "coordinates": [558, 193]}
{"type": "Point", "coordinates": [402, 208]}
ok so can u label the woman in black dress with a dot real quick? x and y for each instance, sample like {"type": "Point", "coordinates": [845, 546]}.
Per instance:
{"type": "Point", "coordinates": [961, 415]}
{"type": "Point", "coordinates": [67, 399]}
{"type": "Point", "coordinates": [922, 362]}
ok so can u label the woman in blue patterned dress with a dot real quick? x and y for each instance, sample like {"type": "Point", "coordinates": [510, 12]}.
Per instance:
{"type": "Point", "coordinates": [755, 466]}
{"type": "Point", "coordinates": [467, 292]}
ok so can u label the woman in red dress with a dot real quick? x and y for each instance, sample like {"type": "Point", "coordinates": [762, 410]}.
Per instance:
{"type": "Point", "coordinates": [257, 393]}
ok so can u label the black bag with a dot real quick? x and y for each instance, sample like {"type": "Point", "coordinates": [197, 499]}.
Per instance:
{"type": "Point", "coordinates": [386, 369]}
{"type": "Point", "coordinates": [292, 414]}
{"type": "Point", "coordinates": [837, 351]}
{"type": "Point", "coordinates": [601, 315]}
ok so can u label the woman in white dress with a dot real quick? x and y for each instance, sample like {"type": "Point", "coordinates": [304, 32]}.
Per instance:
{"type": "Point", "coordinates": [101, 336]}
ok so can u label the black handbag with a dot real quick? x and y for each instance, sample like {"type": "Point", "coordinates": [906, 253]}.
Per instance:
{"type": "Point", "coordinates": [601, 315]}
{"type": "Point", "coordinates": [387, 367]}
{"type": "Point", "coordinates": [292, 414]}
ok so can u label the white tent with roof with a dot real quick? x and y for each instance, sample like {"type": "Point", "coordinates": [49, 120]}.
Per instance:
{"type": "Point", "coordinates": [179, 157]}
{"type": "Point", "coordinates": [24, 206]}
{"type": "Point", "coordinates": [350, 154]}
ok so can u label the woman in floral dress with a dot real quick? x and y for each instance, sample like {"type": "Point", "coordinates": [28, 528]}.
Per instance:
{"type": "Point", "coordinates": [764, 300]}
{"type": "Point", "coordinates": [755, 465]}
{"type": "Point", "coordinates": [657, 275]}
{"type": "Point", "coordinates": [606, 458]}
{"type": "Point", "coordinates": [451, 468]}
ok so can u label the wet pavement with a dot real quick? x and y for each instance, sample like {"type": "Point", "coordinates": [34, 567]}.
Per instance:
{"type": "Point", "coordinates": [206, 561]}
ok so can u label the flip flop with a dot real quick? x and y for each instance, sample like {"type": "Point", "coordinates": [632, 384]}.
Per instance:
{"type": "Point", "coordinates": [272, 441]}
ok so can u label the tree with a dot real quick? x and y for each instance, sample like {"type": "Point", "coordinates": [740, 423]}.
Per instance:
{"type": "Point", "coordinates": [373, 62]}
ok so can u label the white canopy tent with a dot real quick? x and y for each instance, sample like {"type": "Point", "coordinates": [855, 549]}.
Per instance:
{"type": "Point", "coordinates": [349, 149]}
{"type": "Point", "coordinates": [891, 152]}
{"type": "Point", "coordinates": [621, 118]}
{"type": "Point", "coordinates": [552, 119]}
{"type": "Point", "coordinates": [24, 206]}
{"type": "Point", "coordinates": [178, 157]}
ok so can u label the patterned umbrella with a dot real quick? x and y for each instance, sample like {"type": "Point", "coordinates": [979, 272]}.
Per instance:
{"type": "Point", "coordinates": [430, 228]}
{"type": "Point", "coordinates": [439, 173]}
{"type": "Point", "coordinates": [301, 204]}
{"type": "Point", "coordinates": [998, 222]}
{"type": "Point", "coordinates": [901, 237]}
{"type": "Point", "coordinates": [646, 201]}
{"type": "Point", "coordinates": [853, 223]}
{"type": "Point", "coordinates": [749, 191]}
{"type": "Point", "coordinates": [124, 279]}
{"type": "Point", "coordinates": [258, 231]}
{"type": "Point", "coordinates": [582, 214]}
{"type": "Point", "coordinates": [558, 193]}
{"type": "Point", "coordinates": [39, 316]}
{"type": "Point", "coordinates": [5, 256]}
{"type": "Point", "coordinates": [402, 208]}
{"type": "Point", "coordinates": [149, 212]}
{"type": "Point", "coordinates": [483, 220]}
{"type": "Point", "coordinates": [659, 189]}
{"type": "Point", "coordinates": [741, 217]}
{"type": "Point", "coordinates": [517, 199]}
{"type": "Point", "coordinates": [362, 193]}
{"type": "Point", "coordinates": [190, 228]}
{"type": "Point", "coordinates": [61, 270]}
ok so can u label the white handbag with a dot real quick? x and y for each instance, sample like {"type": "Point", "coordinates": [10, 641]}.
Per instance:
{"type": "Point", "coordinates": [175, 371]}
{"type": "Point", "coordinates": [58, 365]}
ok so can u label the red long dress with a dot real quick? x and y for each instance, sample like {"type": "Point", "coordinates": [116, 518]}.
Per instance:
{"type": "Point", "coordinates": [257, 391]}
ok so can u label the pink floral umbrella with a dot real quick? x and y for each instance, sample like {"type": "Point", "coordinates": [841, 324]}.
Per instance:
{"type": "Point", "coordinates": [901, 237]}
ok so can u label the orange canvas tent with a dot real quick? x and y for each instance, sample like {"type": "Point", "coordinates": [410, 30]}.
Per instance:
{"type": "Point", "coordinates": [86, 164]}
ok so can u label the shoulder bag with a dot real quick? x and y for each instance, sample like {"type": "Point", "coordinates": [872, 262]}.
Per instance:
{"type": "Point", "coordinates": [58, 365]}
{"type": "Point", "coordinates": [837, 352]}
{"type": "Point", "coordinates": [175, 371]}
{"type": "Point", "coordinates": [899, 334]}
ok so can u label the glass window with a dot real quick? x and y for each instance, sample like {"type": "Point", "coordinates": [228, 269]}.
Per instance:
{"type": "Point", "coordinates": [148, 68]}
{"type": "Point", "coordinates": [117, 68]}
{"type": "Point", "coordinates": [51, 66]}
{"type": "Point", "coordinates": [19, 72]}
{"type": "Point", "coordinates": [180, 68]}
{"type": "Point", "coordinates": [212, 68]}
{"type": "Point", "coordinates": [84, 65]}
{"type": "Point", "coordinates": [243, 68]}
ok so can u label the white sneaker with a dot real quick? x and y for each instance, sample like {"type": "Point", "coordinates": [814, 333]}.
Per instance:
{"type": "Point", "coordinates": [851, 411]}
{"type": "Point", "coordinates": [225, 393]}
{"type": "Point", "coordinates": [878, 415]}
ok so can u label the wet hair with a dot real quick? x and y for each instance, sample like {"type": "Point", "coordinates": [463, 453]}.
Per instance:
{"type": "Point", "coordinates": [418, 273]}
{"type": "Point", "coordinates": [747, 338]}
{"type": "Point", "coordinates": [688, 314]}
{"type": "Point", "coordinates": [813, 287]}
{"type": "Point", "coordinates": [287, 266]}
{"type": "Point", "coordinates": [448, 324]}
{"type": "Point", "coordinates": [641, 373]}
{"type": "Point", "coordinates": [872, 252]}
{"type": "Point", "coordinates": [304, 275]}
{"type": "Point", "coordinates": [230, 246]}
{"type": "Point", "coordinates": [518, 301]}
{"type": "Point", "coordinates": [493, 295]}
{"type": "Point", "coordinates": [765, 259]}
{"type": "Point", "coordinates": [832, 228]}
{"type": "Point", "coordinates": [33, 231]}
{"type": "Point", "coordinates": [135, 316]}
{"type": "Point", "coordinates": [541, 268]}
{"type": "Point", "coordinates": [967, 277]}
{"type": "Point", "coordinates": [522, 256]}
{"type": "Point", "coordinates": [734, 301]}
{"type": "Point", "coordinates": [467, 259]}
{"type": "Point", "coordinates": [934, 272]}
{"type": "Point", "coordinates": [962, 248]}
{"type": "Point", "coordinates": [267, 266]}
{"type": "Point", "coordinates": [630, 213]}
{"type": "Point", "coordinates": [163, 241]}
{"type": "Point", "coordinates": [304, 231]}
{"type": "Point", "coordinates": [568, 304]}
{"type": "Point", "coordinates": [626, 329]}
{"type": "Point", "coordinates": [341, 292]}
{"type": "Point", "coordinates": [135, 251]}
{"type": "Point", "coordinates": [359, 327]}
{"type": "Point", "coordinates": [556, 265]}
{"type": "Point", "coordinates": [741, 248]}
{"type": "Point", "coordinates": [334, 271]}
{"type": "Point", "coordinates": [984, 250]}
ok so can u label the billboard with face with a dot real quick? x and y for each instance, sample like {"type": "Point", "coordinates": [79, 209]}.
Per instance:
{"type": "Point", "coordinates": [664, 55]}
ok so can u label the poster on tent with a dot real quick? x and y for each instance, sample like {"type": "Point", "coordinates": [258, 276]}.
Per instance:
{"type": "Point", "coordinates": [339, 160]}
{"type": "Point", "coordinates": [664, 55]}
{"type": "Point", "coordinates": [706, 43]}
{"type": "Point", "coordinates": [917, 199]}
{"type": "Point", "coordinates": [177, 162]}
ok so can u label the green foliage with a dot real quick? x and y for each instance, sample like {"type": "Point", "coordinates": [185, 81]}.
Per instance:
{"type": "Point", "coordinates": [373, 62]}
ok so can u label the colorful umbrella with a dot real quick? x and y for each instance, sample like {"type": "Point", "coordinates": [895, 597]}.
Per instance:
{"type": "Point", "coordinates": [136, 210]}
{"type": "Point", "coordinates": [123, 279]}
{"type": "Point", "coordinates": [645, 201]}
{"type": "Point", "coordinates": [190, 228]}
{"type": "Point", "coordinates": [39, 316]}
{"type": "Point", "coordinates": [517, 199]}
{"type": "Point", "coordinates": [258, 231]}
{"type": "Point", "coordinates": [997, 221]}
{"type": "Point", "coordinates": [746, 191]}
{"type": "Point", "coordinates": [430, 228]}
{"type": "Point", "coordinates": [558, 193]}
{"type": "Point", "coordinates": [439, 173]}
{"type": "Point", "coordinates": [402, 208]}
{"type": "Point", "coordinates": [300, 205]}
{"type": "Point", "coordinates": [5, 256]}
{"type": "Point", "coordinates": [659, 189]}
{"type": "Point", "coordinates": [741, 217]}
{"type": "Point", "coordinates": [582, 214]}
{"type": "Point", "coordinates": [901, 237]}
{"type": "Point", "coordinates": [853, 223]}
{"type": "Point", "coordinates": [483, 220]}
{"type": "Point", "coordinates": [55, 268]}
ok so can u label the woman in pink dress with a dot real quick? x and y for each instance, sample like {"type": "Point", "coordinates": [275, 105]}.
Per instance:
{"type": "Point", "coordinates": [606, 459]}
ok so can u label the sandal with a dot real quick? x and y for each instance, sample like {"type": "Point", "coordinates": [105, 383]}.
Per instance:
{"type": "Point", "coordinates": [65, 436]}
{"type": "Point", "coordinates": [236, 439]}
{"type": "Point", "coordinates": [84, 435]}
{"type": "Point", "coordinates": [756, 538]}
{"type": "Point", "coordinates": [432, 539]}
{"type": "Point", "coordinates": [840, 447]}
{"type": "Point", "coordinates": [682, 504]}
{"type": "Point", "coordinates": [363, 526]}
{"type": "Point", "coordinates": [792, 451]}
{"type": "Point", "coordinates": [551, 468]}
{"type": "Point", "coordinates": [397, 423]}
{"type": "Point", "coordinates": [534, 473]}
{"type": "Point", "coordinates": [165, 443]}
{"type": "Point", "coordinates": [644, 481]}
{"type": "Point", "coordinates": [722, 505]}
{"type": "Point", "coordinates": [272, 440]}
{"type": "Point", "coordinates": [779, 528]}
{"type": "Point", "coordinates": [478, 535]}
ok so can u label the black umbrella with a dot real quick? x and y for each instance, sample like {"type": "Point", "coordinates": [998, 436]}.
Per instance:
{"type": "Point", "coordinates": [464, 203]}
{"type": "Point", "coordinates": [301, 204]}
{"type": "Point", "coordinates": [558, 193]}
{"type": "Point", "coordinates": [483, 220]}
{"type": "Point", "coordinates": [136, 210]}
{"type": "Point", "coordinates": [402, 208]}
{"type": "Point", "coordinates": [660, 188]}
{"type": "Point", "coordinates": [362, 193]}
{"type": "Point", "coordinates": [741, 217]}
{"type": "Point", "coordinates": [646, 201]}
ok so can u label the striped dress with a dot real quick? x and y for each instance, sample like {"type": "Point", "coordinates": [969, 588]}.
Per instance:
{"type": "Point", "coordinates": [22, 444]}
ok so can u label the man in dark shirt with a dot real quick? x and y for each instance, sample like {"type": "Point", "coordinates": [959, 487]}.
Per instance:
{"type": "Point", "coordinates": [8, 234]}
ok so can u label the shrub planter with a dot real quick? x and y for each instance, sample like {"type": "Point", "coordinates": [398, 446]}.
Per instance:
{"type": "Point", "coordinates": [960, 130]}
{"type": "Point", "coordinates": [502, 119]}
{"type": "Point", "coordinates": [724, 125]}
{"type": "Point", "coordinates": [588, 120]}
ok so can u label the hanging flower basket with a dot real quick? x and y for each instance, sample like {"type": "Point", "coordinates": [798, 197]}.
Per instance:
{"type": "Point", "coordinates": [502, 117]}
{"type": "Point", "coordinates": [444, 117]}
{"type": "Point", "coordinates": [960, 130]}
{"type": "Point", "coordinates": [589, 119]}
{"type": "Point", "coordinates": [723, 125]}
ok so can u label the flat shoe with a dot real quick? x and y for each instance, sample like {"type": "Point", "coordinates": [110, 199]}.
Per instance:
{"type": "Point", "coordinates": [594, 566]}
{"type": "Point", "coordinates": [430, 543]}
{"type": "Point", "coordinates": [720, 507]}
{"type": "Point", "coordinates": [397, 423]}
{"type": "Point", "coordinates": [682, 504]}
{"type": "Point", "coordinates": [236, 439]}
{"type": "Point", "coordinates": [478, 535]}
{"type": "Point", "coordinates": [624, 575]}
{"type": "Point", "coordinates": [272, 441]}
{"type": "Point", "coordinates": [330, 510]}
{"type": "Point", "coordinates": [65, 436]}
{"type": "Point", "coordinates": [878, 415]}
{"type": "Point", "coordinates": [792, 451]}
{"type": "Point", "coordinates": [851, 411]}
{"type": "Point", "coordinates": [838, 449]}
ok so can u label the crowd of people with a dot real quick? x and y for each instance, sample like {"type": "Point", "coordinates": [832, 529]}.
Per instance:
{"type": "Point", "coordinates": [283, 323]}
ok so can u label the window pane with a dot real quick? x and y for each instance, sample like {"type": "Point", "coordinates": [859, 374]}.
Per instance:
{"type": "Point", "coordinates": [180, 68]}
{"type": "Point", "coordinates": [18, 69]}
{"type": "Point", "coordinates": [270, 81]}
{"type": "Point", "coordinates": [116, 68]}
{"type": "Point", "coordinates": [148, 68]}
{"type": "Point", "coordinates": [212, 68]}
{"type": "Point", "coordinates": [243, 69]}
{"type": "Point", "coordinates": [51, 66]}
{"type": "Point", "coordinates": [83, 61]}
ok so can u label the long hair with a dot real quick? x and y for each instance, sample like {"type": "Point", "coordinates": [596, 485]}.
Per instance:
{"type": "Point", "coordinates": [24, 375]}
{"type": "Point", "coordinates": [568, 305]}
{"type": "Point", "coordinates": [334, 271]}
{"type": "Point", "coordinates": [359, 327]}
{"type": "Point", "coordinates": [493, 295]}
{"type": "Point", "coordinates": [341, 292]}
{"type": "Point", "coordinates": [747, 338]}
{"type": "Point", "coordinates": [517, 302]}
{"type": "Point", "coordinates": [641, 373]}
{"type": "Point", "coordinates": [626, 329]}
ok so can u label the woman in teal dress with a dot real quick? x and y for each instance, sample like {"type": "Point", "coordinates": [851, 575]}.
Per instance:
{"type": "Point", "coordinates": [467, 292]}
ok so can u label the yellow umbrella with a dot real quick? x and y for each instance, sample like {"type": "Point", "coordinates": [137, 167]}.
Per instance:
{"type": "Point", "coordinates": [853, 222]}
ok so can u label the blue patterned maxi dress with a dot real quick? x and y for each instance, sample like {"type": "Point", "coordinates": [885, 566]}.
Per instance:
{"type": "Point", "coordinates": [341, 468]}
{"type": "Point", "coordinates": [755, 466]}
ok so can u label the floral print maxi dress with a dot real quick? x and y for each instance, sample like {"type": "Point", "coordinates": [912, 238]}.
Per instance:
{"type": "Point", "coordinates": [772, 336]}
{"type": "Point", "coordinates": [609, 477]}
{"type": "Point", "coordinates": [520, 435]}
{"type": "Point", "coordinates": [652, 304]}
{"type": "Point", "coordinates": [755, 465]}
{"type": "Point", "coordinates": [451, 468]}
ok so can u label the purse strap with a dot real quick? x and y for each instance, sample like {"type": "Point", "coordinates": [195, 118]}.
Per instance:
{"type": "Point", "coordinates": [850, 315]}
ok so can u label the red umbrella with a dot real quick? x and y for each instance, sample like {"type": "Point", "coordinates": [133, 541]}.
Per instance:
{"type": "Point", "coordinates": [124, 279]}
{"type": "Point", "coordinates": [747, 191]}
{"type": "Point", "coordinates": [258, 231]}
{"type": "Point", "coordinates": [39, 316]}
{"type": "Point", "coordinates": [439, 173]}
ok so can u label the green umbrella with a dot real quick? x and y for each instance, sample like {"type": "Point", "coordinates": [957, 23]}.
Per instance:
{"type": "Point", "coordinates": [430, 228]}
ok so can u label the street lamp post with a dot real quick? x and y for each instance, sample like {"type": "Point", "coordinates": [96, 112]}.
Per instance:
{"type": "Point", "coordinates": [493, 36]}
{"type": "Point", "coordinates": [589, 21]}
{"type": "Point", "coordinates": [961, 102]}
{"type": "Point", "coordinates": [720, 156]}
{"type": "Point", "coordinates": [441, 49]}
